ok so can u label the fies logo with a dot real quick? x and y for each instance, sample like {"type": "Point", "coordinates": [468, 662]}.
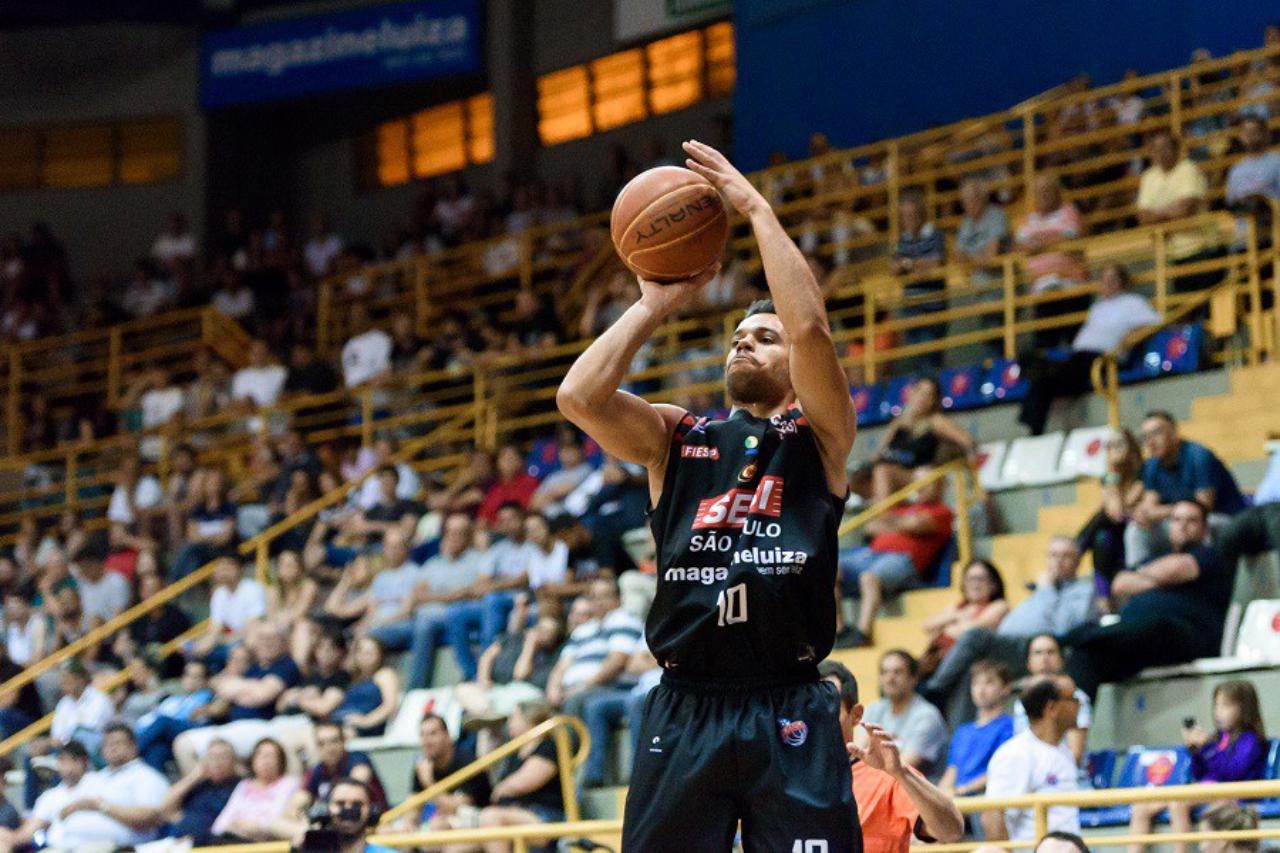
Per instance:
{"type": "Point", "coordinates": [699, 451]}
{"type": "Point", "coordinates": [793, 732]}
{"type": "Point", "coordinates": [732, 508]}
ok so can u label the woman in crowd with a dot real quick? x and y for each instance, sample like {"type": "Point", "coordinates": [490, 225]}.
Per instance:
{"type": "Point", "coordinates": [259, 806]}
{"type": "Point", "coordinates": [1235, 752]}
{"type": "Point", "coordinates": [289, 600]}
{"type": "Point", "coordinates": [1052, 221]}
{"type": "Point", "coordinates": [374, 693]}
{"type": "Point", "coordinates": [981, 605]}
{"type": "Point", "coordinates": [914, 438]}
{"type": "Point", "coordinates": [1122, 491]}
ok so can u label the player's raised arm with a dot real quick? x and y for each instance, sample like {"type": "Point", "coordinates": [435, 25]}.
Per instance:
{"type": "Point", "coordinates": [819, 381]}
{"type": "Point", "coordinates": [590, 395]}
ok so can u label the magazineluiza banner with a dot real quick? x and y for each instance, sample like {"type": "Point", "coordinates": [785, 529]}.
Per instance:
{"type": "Point", "coordinates": [364, 47]}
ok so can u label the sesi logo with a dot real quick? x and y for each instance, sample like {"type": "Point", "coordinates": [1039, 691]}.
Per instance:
{"type": "Point", "coordinates": [699, 451]}
{"type": "Point", "coordinates": [732, 508]}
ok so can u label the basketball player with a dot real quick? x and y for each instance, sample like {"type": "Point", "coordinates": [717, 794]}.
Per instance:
{"type": "Point", "coordinates": [745, 515]}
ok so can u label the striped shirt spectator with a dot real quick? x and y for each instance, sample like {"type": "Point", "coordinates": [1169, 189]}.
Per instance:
{"type": "Point", "coordinates": [619, 632]}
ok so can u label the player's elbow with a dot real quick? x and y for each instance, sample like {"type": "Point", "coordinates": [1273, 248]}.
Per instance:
{"type": "Point", "coordinates": [571, 401]}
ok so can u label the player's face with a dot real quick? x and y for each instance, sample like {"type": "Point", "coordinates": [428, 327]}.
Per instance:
{"type": "Point", "coordinates": [757, 368]}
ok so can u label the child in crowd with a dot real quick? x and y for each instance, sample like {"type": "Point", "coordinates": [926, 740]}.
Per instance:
{"type": "Point", "coordinates": [974, 743]}
{"type": "Point", "coordinates": [1235, 752]}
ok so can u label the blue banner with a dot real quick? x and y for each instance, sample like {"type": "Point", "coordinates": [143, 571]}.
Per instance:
{"type": "Point", "coordinates": [365, 47]}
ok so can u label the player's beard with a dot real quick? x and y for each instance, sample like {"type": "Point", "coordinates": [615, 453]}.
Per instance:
{"type": "Point", "coordinates": [752, 387]}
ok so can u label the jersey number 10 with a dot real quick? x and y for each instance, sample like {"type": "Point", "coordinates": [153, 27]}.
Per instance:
{"type": "Point", "coordinates": [733, 605]}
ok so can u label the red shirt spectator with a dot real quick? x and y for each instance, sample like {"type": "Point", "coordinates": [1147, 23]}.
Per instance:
{"type": "Point", "coordinates": [514, 483]}
{"type": "Point", "coordinates": [923, 548]}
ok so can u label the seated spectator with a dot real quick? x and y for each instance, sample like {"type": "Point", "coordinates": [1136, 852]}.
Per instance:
{"type": "Point", "coordinates": [983, 230]}
{"type": "Point", "coordinates": [349, 598]}
{"type": "Point", "coordinates": [174, 714]}
{"type": "Point", "coordinates": [921, 250]}
{"type": "Point", "coordinates": [1035, 762]}
{"type": "Point", "coordinates": [896, 804]}
{"type": "Point", "coordinates": [103, 594]}
{"type": "Point", "coordinates": [258, 809]}
{"type": "Point", "coordinates": [441, 758]}
{"type": "Point", "coordinates": [211, 528]}
{"type": "Point", "coordinates": [573, 469]}
{"type": "Point", "coordinates": [418, 621]}
{"type": "Point", "coordinates": [176, 243]}
{"type": "Point", "coordinates": [974, 743]}
{"type": "Point", "coordinates": [18, 708]}
{"type": "Point", "coordinates": [1235, 752]}
{"type": "Point", "coordinates": [156, 396]}
{"type": "Point", "coordinates": [1051, 221]}
{"type": "Point", "coordinates": [235, 602]}
{"type": "Point", "coordinates": [210, 391]}
{"type": "Point", "coordinates": [981, 605]}
{"type": "Point", "coordinates": [1060, 601]}
{"type": "Point", "coordinates": [515, 667]}
{"type": "Point", "coordinates": [604, 709]}
{"type": "Point", "coordinates": [325, 679]}
{"type": "Point", "coordinates": [159, 625]}
{"type": "Point", "coordinates": [468, 489]}
{"type": "Point", "coordinates": [195, 801]}
{"type": "Point", "coordinates": [1174, 609]}
{"type": "Point", "coordinates": [234, 297]}
{"type": "Point", "coordinates": [917, 438]}
{"type": "Point", "coordinates": [513, 484]}
{"type": "Point", "coordinates": [905, 543]}
{"type": "Point", "coordinates": [82, 712]}
{"type": "Point", "coordinates": [293, 596]}
{"type": "Point", "coordinates": [388, 511]}
{"type": "Point", "coordinates": [1173, 187]}
{"type": "Point", "coordinates": [547, 563]}
{"type": "Point", "coordinates": [115, 806]}
{"type": "Point", "coordinates": [308, 374]}
{"type": "Point", "coordinates": [908, 716]}
{"type": "Point", "coordinates": [1176, 470]}
{"type": "Point", "coordinates": [26, 631]}
{"type": "Point", "coordinates": [1122, 491]}
{"type": "Point", "coordinates": [1044, 660]}
{"type": "Point", "coordinates": [136, 498]}
{"type": "Point", "coordinates": [1112, 316]}
{"type": "Point", "coordinates": [409, 352]}
{"type": "Point", "coordinates": [374, 693]}
{"type": "Point", "coordinates": [367, 355]}
{"type": "Point", "coordinates": [1227, 817]}
{"type": "Point", "coordinates": [147, 293]}
{"type": "Point", "coordinates": [408, 483]}
{"type": "Point", "coordinates": [595, 656]}
{"type": "Point", "coordinates": [45, 816]}
{"type": "Point", "coordinates": [323, 246]}
{"type": "Point", "coordinates": [1253, 181]}
{"type": "Point", "coordinates": [528, 788]}
{"type": "Point", "coordinates": [335, 764]}
{"type": "Point", "coordinates": [258, 385]}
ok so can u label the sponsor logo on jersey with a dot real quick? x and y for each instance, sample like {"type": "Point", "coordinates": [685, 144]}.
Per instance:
{"type": "Point", "coordinates": [784, 426]}
{"type": "Point", "coordinates": [732, 508]}
{"type": "Point", "coordinates": [747, 473]}
{"type": "Point", "coordinates": [751, 442]}
{"type": "Point", "coordinates": [770, 556]}
{"type": "Point", "coordinates": [705, 575]}
{"type": "Point", "coordinates": [793, 732]}
{"type": "Point", "coordinates": [699, 451]}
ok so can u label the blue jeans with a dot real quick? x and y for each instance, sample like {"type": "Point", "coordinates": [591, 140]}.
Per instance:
{"type": "Point", "coordinates": [155, 740]}
{"type": "Point", "coordinates": [488, 616]}
{"type": "Point", "coordinates": [602, 709]}
{"type": "Point", "coordinates": [420, 634]}
{"type": "Point", "coordinates": [896, 571]}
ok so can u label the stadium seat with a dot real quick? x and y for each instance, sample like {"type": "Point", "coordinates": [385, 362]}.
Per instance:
{"type": "Point", "coordinates": [940, 571]}
{"type": "Point", "coordinates": [1003, 383]}
{"type": "Point", "coordinates": [1144, 767]}
{"type": "Point", "coordinates": [893, 396]}
{"type": "Point", "coordinates": [403, 730]}
{"type": "Point", "coordinates": [1169, 351]}
{"type": "Point", "coordinates": [961, 387]}
{"type": "Point", "coordinates": [1033, 461]}
{"type": "Point", "coordinates": [1270, 808]}
{"type": "Point", "coordinates": [1259, 638]}
{"type": "Point", "coordinates": [866, 404]}
{"type": "Point", "coordinates": [991, 463]}
{"type": "Point", "coordinates": [1101, 767]}
{"type": "Point", "coordinates": [1084, 453]}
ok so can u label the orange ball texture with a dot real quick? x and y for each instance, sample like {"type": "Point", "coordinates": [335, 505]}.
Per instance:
{"type": "Point", "coordinates": [668, 224]}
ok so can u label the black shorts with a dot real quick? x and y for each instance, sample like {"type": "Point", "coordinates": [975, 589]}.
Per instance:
{"type": "Point", "coordinates": [772, 758]}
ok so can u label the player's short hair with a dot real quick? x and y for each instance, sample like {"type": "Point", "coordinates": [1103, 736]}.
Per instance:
{"type": "Point", "coordinates": [1036, 698]}
{"type": "Point", "coordinates": [991, 667]}
{"type": "Point", "coordinates": [760, 306]}
{"type": "Point", "coordinates": [848, 683]}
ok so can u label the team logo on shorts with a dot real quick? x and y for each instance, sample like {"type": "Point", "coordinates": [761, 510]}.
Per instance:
{"type": "Point", "coordinates": [794, 732]}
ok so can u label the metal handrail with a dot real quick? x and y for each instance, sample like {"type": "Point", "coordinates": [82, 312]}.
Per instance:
{"type": "Point", "coordinates": [567, 762]}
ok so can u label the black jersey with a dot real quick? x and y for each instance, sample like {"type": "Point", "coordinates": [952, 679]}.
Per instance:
{"type": "Point", "coordinates": [746, 543]}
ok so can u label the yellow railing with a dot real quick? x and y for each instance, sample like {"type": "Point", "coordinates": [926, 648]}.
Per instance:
{"type": "Point", "coordinates": [522, 836]}
{"type": "Point", "coordinates": [258, 547]}
{"type": "Point", "coordinates": [567, 761]}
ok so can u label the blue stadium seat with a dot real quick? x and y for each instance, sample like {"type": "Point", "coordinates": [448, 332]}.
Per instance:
{"type": "Point", "coordinates": [961, 387]}
{"type": "Point", "coordinates": [1169, 351]}
{"type": "Point", "coordinates": [940, 571]}
{"type": "Point", "coordinates": [1003, 383]}
{"type": "Point", "coordinates": [1101, 767]}
{"type": "Point", "coordinates": [893, 396]}
{"type": "Point", "coordinates": [1270, 808]}
{"type": "Point", "coordinates": [1143, 767]}
{"type": "Point", "coordinates": [866, 403]}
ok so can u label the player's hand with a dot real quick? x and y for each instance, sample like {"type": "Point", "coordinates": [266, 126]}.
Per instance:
{"type": "Point", "coordinates": [667, 299]}
{"type": "Point", "coordinates": [724, 176]}
{"type": "Point", "coordinates": [881, 751]}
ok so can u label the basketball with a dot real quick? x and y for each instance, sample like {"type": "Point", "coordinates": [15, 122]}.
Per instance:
{"type": "Point", "coordinates": [668, 224]}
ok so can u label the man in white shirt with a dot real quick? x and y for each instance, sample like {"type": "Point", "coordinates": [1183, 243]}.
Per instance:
{"type": "Point", "coordinates": [46, 815]}
{"type": "Point", "coordinates": [136, 497]}
{"type": "Point", "coordinates": [83, 711]}
{"type": "Point", "coordinates": [115, 807]}
{"type": "Point", "coordinates": [596, 653]}
{"type": "Point", "coordinates": [259, 384]}
{"type": "Point", "coordinates": [235, 602]}
{"type": "Point", "coordinates": [103, 594]}
{"type": "Point", "coordinates": [574, 469]}
{"type": "Point", "coordinates": [176, 243]}
{"type": "Point", "coordinates": [367, 356]}
{"type": "Point", "coordinates": [322, 248]}
{"type": "Point", "coordinates": [1112, 316]}
{"type": "Point", "coordinates": [1035, 762]}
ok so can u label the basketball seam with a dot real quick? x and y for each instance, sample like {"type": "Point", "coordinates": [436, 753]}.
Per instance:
{"type": "Point", "coordinates": [695, 232]}
{"type": "Point", "coordinates": [659, 201]}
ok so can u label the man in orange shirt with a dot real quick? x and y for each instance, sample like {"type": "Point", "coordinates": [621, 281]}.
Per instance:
{"type": "Point", "coordinates": [894, 801]}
